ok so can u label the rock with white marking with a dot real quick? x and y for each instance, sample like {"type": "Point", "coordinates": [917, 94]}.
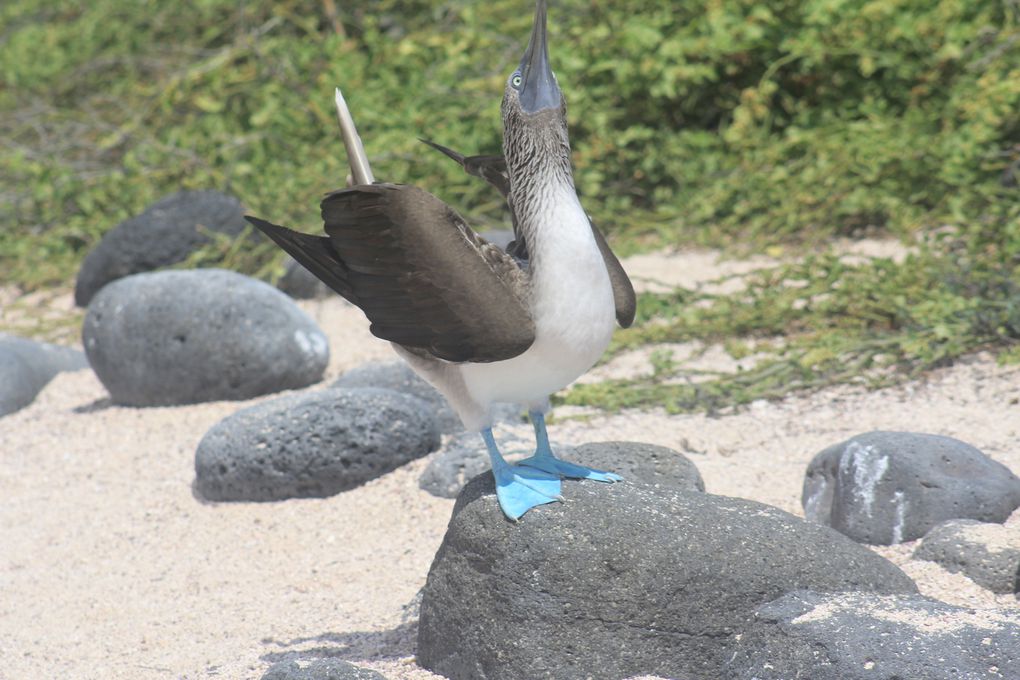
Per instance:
{"type": "Point", "coordinates": [988, 554]}
{"type": "Point", "coordinates": [621, 580]}
{"type": "Point", "coordinates": [312, 445]}
{"type": "Point", "coordinates": [166, 233]}
{"type": "Point", "coordinates": [184, 337]}
{"type": "Point", "coordinates": [888, 487]}
{"type": "Point", "coordinates": [865, 636]}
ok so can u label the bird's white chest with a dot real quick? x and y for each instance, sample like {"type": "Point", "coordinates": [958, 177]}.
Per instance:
{"type": "Point", "coordinates": [571, 304]}
{"type": "Point", "coordinates": [572, 298]}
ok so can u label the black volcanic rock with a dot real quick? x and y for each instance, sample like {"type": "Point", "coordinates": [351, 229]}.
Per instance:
{"type": "Point", "coordinates": [987, 553]}
{"type": "Point", "coordinates": [621, 580]}
{"type": "Point", "coordinates": [313, 444]}
{"type": "Point", "coordinates": [320, 669]}
{"type": "Point", "coordinates": [865, 636]}
{"type": "Point", "coordinates": [166, 233]}
{"type": "Point", "coordinates": [888, 487]}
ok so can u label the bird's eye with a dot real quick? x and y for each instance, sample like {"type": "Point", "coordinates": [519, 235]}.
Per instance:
{"type": "Point", "coordinates": [515, 80]}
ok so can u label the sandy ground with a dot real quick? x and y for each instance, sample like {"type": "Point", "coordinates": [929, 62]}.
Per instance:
{"type": "Point", "coordinates": [111, 568]}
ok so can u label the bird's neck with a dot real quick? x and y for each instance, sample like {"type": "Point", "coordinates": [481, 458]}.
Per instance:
{"type": "Point", "coordinates": [547, 212]}
{"type": "Point", "coordinates": [551, 220]}
{"type": "Point", "coordinates": [536, 186]}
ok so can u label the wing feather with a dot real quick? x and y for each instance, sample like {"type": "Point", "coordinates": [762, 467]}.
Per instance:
{"type": "Point", "coordinates": [423, 278]}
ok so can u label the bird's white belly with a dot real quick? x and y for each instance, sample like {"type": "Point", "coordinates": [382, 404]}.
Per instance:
{"type": "Point", "coordinates": [574, 313]}
{"type": "Point", "coordinates": [562, 352]}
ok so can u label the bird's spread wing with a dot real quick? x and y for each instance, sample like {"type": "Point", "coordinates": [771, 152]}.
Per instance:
{"type": "Point", "coordinates": [423, 278]}
{"type": "Point", "coordinates": [493, 170]}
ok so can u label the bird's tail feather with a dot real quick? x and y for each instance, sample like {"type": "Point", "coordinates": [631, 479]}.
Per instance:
{"type": "Point", "coordinates": [314, 253]}
{"type": "Point", "coordinates": [361, 171]}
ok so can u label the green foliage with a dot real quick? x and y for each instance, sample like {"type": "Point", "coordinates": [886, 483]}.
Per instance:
{"type": "Point", "coordinates": [874, 324]}
{"type": "Point", "coordinates": [733, 123]}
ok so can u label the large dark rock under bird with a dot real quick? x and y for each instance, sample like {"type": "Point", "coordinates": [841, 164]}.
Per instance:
{"type": "Point", "coordinates": [463, 457]}
{"type": "Point", "coordinates": [621, 580]}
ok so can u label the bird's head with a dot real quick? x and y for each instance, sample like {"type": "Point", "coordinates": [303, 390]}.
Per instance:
{"type": "Point", "coordinates": [534, 111]}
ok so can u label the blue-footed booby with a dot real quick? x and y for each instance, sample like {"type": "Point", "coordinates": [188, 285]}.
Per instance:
{"type": "Point", "coordinates": [481, 324]}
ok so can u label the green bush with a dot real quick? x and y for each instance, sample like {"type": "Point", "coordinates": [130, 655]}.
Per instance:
{"type": "Point", "coordinates": [739, 121]}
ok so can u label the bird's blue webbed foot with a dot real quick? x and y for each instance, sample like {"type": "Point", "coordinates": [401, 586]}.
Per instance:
{"type": "Point", "coordinates": [519, 489]}
{"type": "Point", "coordinates": [545, 461]}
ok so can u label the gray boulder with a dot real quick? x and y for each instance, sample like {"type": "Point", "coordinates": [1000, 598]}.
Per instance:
{"type": "Point", "coordinates": [621, 580]}
{"type": "Point", "coordinates": [166, 233]}
{"type": "Point", "coordinates": [184, 337]}
{"type": "Point", "coordinates": [26, 366]}
{"type": "Point", "coordinates": [312, 445]}
{"type": "Point", "coordinates": [398, 376]}
{"type": "Point", "coordinates": [301, 284]}
{"type": "Point", "coordinates": [888, 487]}
{"type": "Point", "coordinates": [988, 554]}
{"type": "Point", "coordinates": [465, 456]}
{"type": "Point", "coordinates": [864, 636]}
{"type": "Point", "coordinates": [320, 669]}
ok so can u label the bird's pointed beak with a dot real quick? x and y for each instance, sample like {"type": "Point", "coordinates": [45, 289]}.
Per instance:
{"type": "Point", "coordinates": [538, 87]}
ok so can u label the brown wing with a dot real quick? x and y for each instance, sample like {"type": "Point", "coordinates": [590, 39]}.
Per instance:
{"type": "Point", "coordinates": [493, 170]}
{"type": "Point", "coordinates": [313, 252]}
{"type": "Point", "coordinates": [421, 275]}
{"type": "Point", "coordinates": [623, 290]}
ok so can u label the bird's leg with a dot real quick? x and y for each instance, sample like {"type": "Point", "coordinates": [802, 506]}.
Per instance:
{"type": "Point", "coordinates": [519, 489]}
{"type": "Point", "coordinates": [546, 461]}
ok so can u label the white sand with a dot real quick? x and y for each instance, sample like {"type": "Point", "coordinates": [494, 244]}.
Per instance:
{"type": "Point", "coordinates": [111, 568]}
